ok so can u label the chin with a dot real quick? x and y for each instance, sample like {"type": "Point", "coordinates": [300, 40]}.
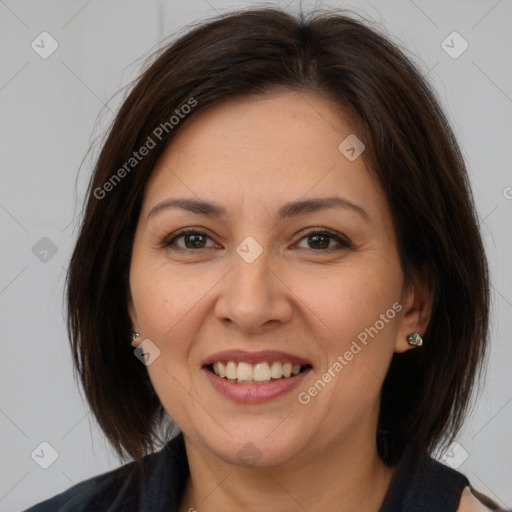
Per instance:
{"type": "Point", "coordinates": [256, 448]}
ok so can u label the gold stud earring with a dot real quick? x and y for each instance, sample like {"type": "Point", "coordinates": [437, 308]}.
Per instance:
{"type": "Point", "coordinates": [415, 339]}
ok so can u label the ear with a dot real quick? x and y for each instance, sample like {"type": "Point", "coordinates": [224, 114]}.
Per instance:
{"type": "Point", "coordinates": [417, 300]}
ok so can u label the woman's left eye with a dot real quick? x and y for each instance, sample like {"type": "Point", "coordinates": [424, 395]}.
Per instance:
{"type": "Point", "coordinates": [320, 240]}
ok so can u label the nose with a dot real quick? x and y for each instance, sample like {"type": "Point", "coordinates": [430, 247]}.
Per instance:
{"type": "Point", "coordinates": [254, 297]}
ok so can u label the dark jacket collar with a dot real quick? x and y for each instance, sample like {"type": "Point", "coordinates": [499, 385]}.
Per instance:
{"type": "Point", "coordinates": [419, 482]}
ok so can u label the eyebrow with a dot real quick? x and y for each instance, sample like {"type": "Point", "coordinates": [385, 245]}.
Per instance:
{"type": "Point", "coordinates": [288, 210]}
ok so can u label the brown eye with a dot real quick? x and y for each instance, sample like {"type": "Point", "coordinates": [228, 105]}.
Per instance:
{"type": "Point", "coordinates": [321, 240]}
{"type": "Point", "coordinates": [191, 240]}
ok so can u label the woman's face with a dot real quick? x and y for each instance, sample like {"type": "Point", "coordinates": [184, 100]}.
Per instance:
{"type": "Point", "coordinates": [264, 284]}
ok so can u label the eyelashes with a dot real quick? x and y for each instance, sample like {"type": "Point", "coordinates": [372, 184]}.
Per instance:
{"type": "Point", "coordinates": [342, 241]}
{"type": "Point", "coordinates": [198, 238]}
{"type": "Point", "coordinates": [170, 241]}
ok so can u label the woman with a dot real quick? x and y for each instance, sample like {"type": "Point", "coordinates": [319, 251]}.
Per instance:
{"type": "Point", "coordinates": [281, 222]}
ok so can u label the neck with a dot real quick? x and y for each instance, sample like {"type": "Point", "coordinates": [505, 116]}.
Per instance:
{"type": "Point", "coordinates": [341, 476]}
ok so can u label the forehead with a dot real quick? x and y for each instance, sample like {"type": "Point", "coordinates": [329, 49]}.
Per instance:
{"type": "Point", "coordinates": [288, 123]}
{"type": "Point", "coordinates": [276, 147]}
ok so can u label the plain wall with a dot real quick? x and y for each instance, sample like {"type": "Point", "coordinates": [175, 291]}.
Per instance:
{"type": "Point", "coordinates": [53, 108]}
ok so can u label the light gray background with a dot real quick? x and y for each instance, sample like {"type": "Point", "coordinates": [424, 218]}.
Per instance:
{"type": "Point", "coordinates": [51, 111]}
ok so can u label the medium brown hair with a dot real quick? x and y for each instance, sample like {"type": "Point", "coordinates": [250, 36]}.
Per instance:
{"type": "Point", "coordinates": [410, 150]}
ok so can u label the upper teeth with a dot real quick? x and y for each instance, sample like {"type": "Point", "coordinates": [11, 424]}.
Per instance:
{"type": "Point", "coordinates": [260, 372]}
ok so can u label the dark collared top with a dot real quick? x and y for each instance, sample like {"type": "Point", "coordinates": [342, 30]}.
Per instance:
{"type": "Point", "coordinates": [419, 484]}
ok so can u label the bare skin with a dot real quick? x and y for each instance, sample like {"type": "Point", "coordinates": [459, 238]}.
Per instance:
{"type": "Point", "coordinates": [299, 296]}
{"type": "Point", "coordinates": [469, 503]}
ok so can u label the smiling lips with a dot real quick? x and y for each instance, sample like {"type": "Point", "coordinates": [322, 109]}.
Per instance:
{"type": "Point", "coordinates": [259, 373]}
{"type": "Point", "coordinates": [259, 368]}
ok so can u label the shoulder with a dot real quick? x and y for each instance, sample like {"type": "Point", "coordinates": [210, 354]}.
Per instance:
{"type": "Point", "coordinates": [91, 494]}
{"type": "Point", "coordinates": [154, 485]}
{"type": "Point", "coordinates": [473, 501]}
{"type": "Point", "coordinates": [470, 503]}
{"type": "Point", "coordinates": [421, 482]}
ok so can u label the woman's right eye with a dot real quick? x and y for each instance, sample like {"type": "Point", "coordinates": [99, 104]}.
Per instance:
{"type": "Point", "coordinates": [192, 240]}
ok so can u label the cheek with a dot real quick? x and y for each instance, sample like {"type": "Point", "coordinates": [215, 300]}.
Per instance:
{"type": "Point", "coordinates": [356, 315]}
{"type": "Point", "coordinates": [350, 300]}
{"type": "Point", "coordinates": [164, 307]}
{"type": "Point", "coordinates": [163, 298]}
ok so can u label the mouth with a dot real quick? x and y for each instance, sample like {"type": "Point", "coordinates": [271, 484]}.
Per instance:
{"type": "Point", "coordinates": [263, 372]}
{"type": "Point", "coordinates": [255, 376]}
